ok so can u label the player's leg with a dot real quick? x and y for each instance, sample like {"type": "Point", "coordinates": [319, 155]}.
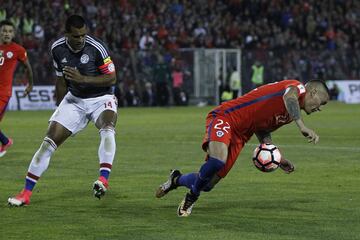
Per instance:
{"type": "Point", "coordinates": [62, 125]}
{"type": "Point", "coordinates": [6, 142]}
{"type": "Point", "coordinates": [106, 123]}
{"type": "Point", "coordinates": [233, 151]}
{"type": "Point", "coordinates": [55, 136]}
{"type": "Point", "coordinates": [216, 141]}
{"type": "Point", "coordinates": [215, 162]}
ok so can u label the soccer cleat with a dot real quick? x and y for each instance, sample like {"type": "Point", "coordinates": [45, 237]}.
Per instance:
{"type": "Point", "coordinates": [22, 199]}
{"type": "Point", "coordinates": [100, 187]}
{"type": "Point", "coordinates": [185, 207]}
{"type": "Point", "coordinates": [169, 185]}
{"type": "Point", "coordinates": [3, 148]}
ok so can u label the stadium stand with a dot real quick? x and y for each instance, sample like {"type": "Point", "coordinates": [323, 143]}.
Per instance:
{"type": "Point", "coordinates": [294, 39]}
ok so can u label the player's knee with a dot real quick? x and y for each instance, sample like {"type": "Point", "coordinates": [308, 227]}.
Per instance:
{"type": "Point", "coordinates": [208, 187]}
{"type": "Point", "coordinates": [212, 183]}
{"type": "Point", "coordinates": [48, 143]}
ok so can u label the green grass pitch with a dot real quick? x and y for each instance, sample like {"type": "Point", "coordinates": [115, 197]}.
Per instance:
{"type": "Point", "coordinates": [320, 200]}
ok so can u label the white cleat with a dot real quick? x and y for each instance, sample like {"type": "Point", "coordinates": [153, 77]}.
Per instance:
{"type": "Point", "coordinates": [186, 205]}
{"type": "Point", "coordinates": [169, 185]}
{"type": "Point", "coordinates": [99, 188]}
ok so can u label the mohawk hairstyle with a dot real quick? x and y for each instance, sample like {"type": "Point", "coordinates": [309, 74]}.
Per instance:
{"type": "Point", "coordinates": [320, 82]}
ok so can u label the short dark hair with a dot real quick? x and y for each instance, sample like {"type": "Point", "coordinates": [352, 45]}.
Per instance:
{"type": "Point", "coordinates": [320, 82]}
{"type": "Point", "coordinates": [6, 23]}
{"type": "Point", "coordinates": [75, 21]}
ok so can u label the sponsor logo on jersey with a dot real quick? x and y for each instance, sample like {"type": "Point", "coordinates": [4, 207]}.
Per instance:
{"type": "Point", "coordinates": [9, 54]}
{"type": "Point", "coordinates": [64, 60]}
{"type": "Point", "coordinates": [84, 59]}
{"type": "Point", "coordinates": [219, 133]}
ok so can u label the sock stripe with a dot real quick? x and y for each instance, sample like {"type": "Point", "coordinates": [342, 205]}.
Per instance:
{"type": "Point", "coordinates": [32, 177]}
{"type": "Point", "coordinates": [106, 165]}
{"type": "Point", "coordinates": [51, 142]}
{"type": "Point", "coordinates": [105, 169]}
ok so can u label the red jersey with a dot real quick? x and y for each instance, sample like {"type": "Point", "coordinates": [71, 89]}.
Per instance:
{"type": "Point", "coordinates": [262, 109]}
{"type": "Point", "coordinates": [10, 54]}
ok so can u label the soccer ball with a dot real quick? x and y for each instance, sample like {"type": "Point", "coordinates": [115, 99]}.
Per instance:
{"type": "Point", "coordinates": [266, 157]}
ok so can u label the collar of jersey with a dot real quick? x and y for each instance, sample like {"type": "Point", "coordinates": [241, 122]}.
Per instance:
{"type": "Point", "coordinates": [73, 50]}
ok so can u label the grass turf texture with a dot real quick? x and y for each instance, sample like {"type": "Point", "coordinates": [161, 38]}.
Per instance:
{"type": "Point", "coordinates": [320, 200]}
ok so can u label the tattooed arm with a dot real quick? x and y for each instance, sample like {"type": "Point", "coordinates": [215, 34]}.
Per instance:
{"type": "Point", "coordinates": [291, 100]}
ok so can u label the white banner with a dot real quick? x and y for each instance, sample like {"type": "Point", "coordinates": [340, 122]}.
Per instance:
{"type": "Point", "coordinates": [349, 90]}
{"type": "Point", "coordinates": [40, 98]}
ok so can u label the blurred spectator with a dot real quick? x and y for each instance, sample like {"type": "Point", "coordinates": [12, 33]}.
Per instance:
{"type": "Point", "coordinates": [257, 76]}
{"type": "Point", "coordinates": [235, 83]}
{"type": "Point", "coordinates": [148, 95]}
{"type": "Point", "coordinates": [132, 97]}
{"type": "Point", "coordinates": [334, 92]}
{"type": "Point", "coordinates": [291, 38]}
{"type": "Point", "coordinates": [161, 77]}
{"type": "Point", "coordinates": [146, 41]}
{"type": "Point", "coordinates": [226, 94]}
{"type": "Point", "coordinates": [179, 93]}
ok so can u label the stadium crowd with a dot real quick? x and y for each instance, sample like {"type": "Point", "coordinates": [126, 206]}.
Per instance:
{"type": "Point", "coordinates": [292, 38]}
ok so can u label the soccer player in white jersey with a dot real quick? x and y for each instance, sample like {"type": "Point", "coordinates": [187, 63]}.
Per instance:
{"type": "Point", "coordinates": [85, 76]}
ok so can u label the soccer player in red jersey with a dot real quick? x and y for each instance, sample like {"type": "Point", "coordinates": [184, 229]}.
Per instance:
{"type": "Point", "coordinates": [10, 54]}
{"type": "Point", "coordinates": [232, 124]}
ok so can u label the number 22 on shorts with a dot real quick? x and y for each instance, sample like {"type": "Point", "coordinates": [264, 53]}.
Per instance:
{"type": "Point", "coordinates": [221, 125]}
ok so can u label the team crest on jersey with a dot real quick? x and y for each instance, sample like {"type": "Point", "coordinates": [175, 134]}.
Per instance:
{"type": "Point", "coordinates": [111, 67]}
{"type": "Point", "coordinates": [219, 133]}
{"type": "Point", "coordinates": [9, 54]}
{"type": "Point", "coordinates": [84, 59]}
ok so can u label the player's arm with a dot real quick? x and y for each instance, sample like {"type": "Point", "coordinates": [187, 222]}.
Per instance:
{"type": "Point", "coordinates": [291, 101]}
{"type": "Point", "coordinates": [60, 89]}
{"type": "Point", "coordinates": [103, 80]}
{"type": "Point", "coordinates": [264, 137]}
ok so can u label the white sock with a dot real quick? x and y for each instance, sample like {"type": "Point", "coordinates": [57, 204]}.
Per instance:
{"type": "Point", "coordinates": [41, 158]}
{"type": "Point", "coordinates": [107, 149]}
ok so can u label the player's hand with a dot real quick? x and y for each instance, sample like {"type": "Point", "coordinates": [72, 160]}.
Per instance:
{"type": "Point", "coordinates": [28, 89]}
{"type": "Point", "coordinates": [310, 135]}
{"type": "Point", "coordinates": [73, 74]}
{"type": "Point", "coordinates": [286, 166]}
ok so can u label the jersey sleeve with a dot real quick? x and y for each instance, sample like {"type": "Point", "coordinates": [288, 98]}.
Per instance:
{"type": "Point", "coordinates": [103, 60]}
{"type": "Point", "coordinates": [56, 64]}
{"type": "Point", "coordinates": [299, 87]}
{"type": "Point", "coordinates": [22, 55]}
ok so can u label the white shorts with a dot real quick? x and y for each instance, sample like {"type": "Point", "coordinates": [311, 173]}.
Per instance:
{"type": "Point", "coordinates": [75, 113]}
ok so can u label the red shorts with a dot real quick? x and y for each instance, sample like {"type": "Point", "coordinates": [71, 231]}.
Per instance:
{"type": "Point", "coordinates": [218, 129]}
{"type": "Point", "coordinates": [4, 100]}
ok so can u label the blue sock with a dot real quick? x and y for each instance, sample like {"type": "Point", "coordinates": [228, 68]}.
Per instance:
{"type": "Point", "coordinates": [207, 171]}
{"type": "Point", "coordinates": [187, 180]}
{"type": "Point", "coordinates": [105, 174]}
{"type": "Point", "coordinates": [29, 185]}
{"type": "Point", "coordinates": [3, 139]}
